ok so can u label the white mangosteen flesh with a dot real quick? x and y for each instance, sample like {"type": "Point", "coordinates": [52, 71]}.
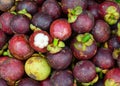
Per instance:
{"type": "Point", "coordinates": [41, 40]}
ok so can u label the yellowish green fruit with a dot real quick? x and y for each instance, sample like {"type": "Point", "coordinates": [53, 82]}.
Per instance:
{"type": "Point", "coordinates": [37, 67]}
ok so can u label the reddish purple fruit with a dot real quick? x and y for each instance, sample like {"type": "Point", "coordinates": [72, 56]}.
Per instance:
{"type": "Point", "coordinates": [60, 60]}
{"type": "Point", "coordinates": [52, 8]}
{"type": "Point", "coordinates": [2, 59]}
{"type": "Point", "coordinates": [39, 40]}
{"type": "Point", "coordinates": [83, 46]}
{"type": "Point", "coordinates": [101, 31]}
{"type": "Point", "coordinates": [3, 39]}
{"type": "Point", "coordinates": [83, 23]}
{"type": "Point", "coordinates": [60, 29]}
{"type": "Point", "coordinates": [62, 78]}
{"type": "Point", "coordinates": [28, 82]}
{"type": "Point", "coordinates": [84, 71]}
{"type": "Point", "coordinates": [103, 58]}
{"type": "Point", "coordinates": [112, 77]}
{"type": "Point", "coordinates": [3, 82]}
{"type": "Point", "coordinates": [12, 70]}
{"type": "Point", "coordinates": [30, 6]}
{"type": "Point", "coordinates": [42, 21]}
{"type": "Point", "coordinates": [109, 10]}
{"type": "Point", "coordinates": [5, 19]}
{"type": "Point", "coordinates": [19, 47]}
{"type": "Point", "coordinates": [20, 24]}
{"type": "Point", "coordinates": [46, 82]}
{"type": "Point", "coordinates": [70, 4]}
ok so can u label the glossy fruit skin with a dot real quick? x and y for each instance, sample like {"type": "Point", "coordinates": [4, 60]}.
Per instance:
{"type": "Point", "coordinates": [52, 8]}
{"type": "Point", "coordinates": [64, 76]}
{"type": "Point", "coordinates": [113, 74]}
{"type": "Point", "coordinates": [3, 39]}
{"type": "Point", "coordinates": [3, 82]}
{"type": "Point", "coordinates": [60, 60]}
{"type": "Point", "coordinates": [70, 4]}
{"type": "Point", "coordinates": [30, 6]}
{"type": "Point", "coordinates": [20, 24]}
{"type": "Point", "coordinates": [61, 29]}
{"type": "Point", "coordinates": [12, 70]}
{"type": "Point", "coordinates": [31, 41]}
{"type": "Point", "coordinates": [5, 19]}
{"type": "Point", "coordinates": [84, 22]}
{"type": "Point", "coordinates": [84, 71]}
{"type": "Point", "coordinates": [5, 5]}
{"type": "Point", "coordinates": [101, 31]}
{"type": "Point", "coordinates": [28, 82]}
{"type": "Point", "coordinates": [37, 68]}
{"type": "Point", "coordinates": [46, 82]}
{"type": "Point", "coordinates": [42, 21]}
{"type": "Point", "coordinates": [104, 58]}
{"type": "Point", "coordinates": [19, 47]}
{"type": "Point", "coordinates": [80, 54]}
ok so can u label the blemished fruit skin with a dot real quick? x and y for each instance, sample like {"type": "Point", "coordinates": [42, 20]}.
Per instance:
{"type": "Point", "coordinates": [101, 31]}
{"type": "Point", "coordinates": [5, 19]}
{"type": "Point", "coordinates": [84, 71]}
{"type": "Point", "coordinates": [20, 24]}
{"type": "Point", "coordinates": [80, 26]}
{"type": "Point", "coordinates": [62, 78]}
{"type": "Point", "coordinates": [12, 70]}
{"type": "Point", "coordinates": [37, 68]}
{"type": "Point", "coordinates": [19, 47]}
{"type": "Point", "coordinates": [104, 58]}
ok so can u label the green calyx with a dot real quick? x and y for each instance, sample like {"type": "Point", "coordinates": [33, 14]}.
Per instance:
{"type": "Point", "coordinates": [111, 82]}
{"type": "Point", "coordinates": [24, 12]}
{"type": "Point", "coordinates": [85, 40]}
{"type": "Point", "coordinates": [92, 82]}
{"type": "Point", "coordinates": [118, 1]}
{"type": "Point", "coordinates": [56, 46]}
{"type": "Point", "coordinates": [73, 13]}
{"type": "Point", "coordinates": [3, 49]}
{"type": "Point", "coordinates": [34, 28]}
{"type": "Point", "coordinates": [116, 53]}
{"type": "Point", "coordinates": [112, 15]}
{"type": "Point", "coordinates": [7, 53]}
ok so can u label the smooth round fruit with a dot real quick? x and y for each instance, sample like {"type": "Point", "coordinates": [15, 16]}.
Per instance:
{"type": "Point", "coordinates": [19, 47]}
{"type": "Point", "coordinates": [62, 78]}
{"type": "Point", "coordinates": [37, 68]}
{"type": "Point", "coordinates": [60, 60]}
{"type": "Point", "coordinates": [60, 29]}
{"type": "Point", "coordinates": [84, 71]}
{"type": "Point", "coordinates": [12, 70]}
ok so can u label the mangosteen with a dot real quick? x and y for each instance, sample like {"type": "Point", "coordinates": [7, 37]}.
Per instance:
{"type": "Point", "coordinates": [42, 21]}
{"type": "Point", "coordinates": [3, 82]}
{"type": "Point", "coordinates": [101, 31]}
{"type": "Point", "coordinates": [20, 24]}
{"type": "Point", "coordinates": [60, 60]}
{"type": "Point", "coordinates": [84, 71]}
{"type": "Point", "coordinates": [61, 29]}
{"type": "Point", "coordinates": [62, 78]}
{"type": "Point", "coordinates": [30, 6]}
{"type": "Point", "coordinates": [46, 82]}
{"type": "Point", "coordinates": [19, 47]}
{"type": "Point", "coordinates": [52, 8]}
{"type": "Point", "coordinates": [5, 5]}
{"type": "Point", "coordinates": [5, 19]}
{"type": "Point", "coordinates": [83, 46]}
{"type": "Point", "coordinates": [104, 58]}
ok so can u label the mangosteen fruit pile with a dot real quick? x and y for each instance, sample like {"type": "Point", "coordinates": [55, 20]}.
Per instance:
{"type": "Point", "coordinates": [59, 42]}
